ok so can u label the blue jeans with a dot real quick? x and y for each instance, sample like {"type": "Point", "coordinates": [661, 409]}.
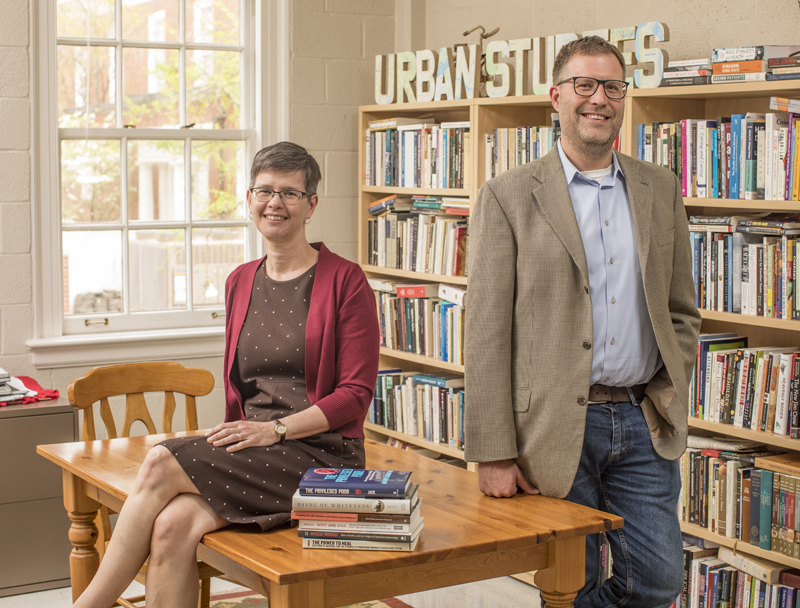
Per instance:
{"type": "Point", "coordinates": [621, 473]}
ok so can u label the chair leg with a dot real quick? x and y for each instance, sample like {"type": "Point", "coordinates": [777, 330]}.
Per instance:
{"type": "Point", "coordinates": [205, 593]}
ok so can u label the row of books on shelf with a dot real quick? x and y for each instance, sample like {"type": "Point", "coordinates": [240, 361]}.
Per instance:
{"type": "Point", "coordinates": [506, 148]}
{"type": "Point", "coordinates": [429, 406]}
{"type": "Point", "coordinates": [751, 388]}
{"type": "Point", "coordinates": [744, 271]}
{"type": "Point", "coordinates": [420, 242]}
{"type": "Point", "coordinates": [362, 509]}
{"type": "Point", "coordinates": [743, 495]}
{"type": "Point", "coordinates": [749, 156]}
{"type": "Point", "coordinates": [418, 153]}
{"type": "Point", "coordinates": [738, 64]}
{"type": "Point", "coordinates": [719, 577]}
{"type": "Point", "coordinates": [425, 320]}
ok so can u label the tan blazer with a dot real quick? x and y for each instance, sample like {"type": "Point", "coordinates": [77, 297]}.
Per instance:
{"type": "Point", "coordinates": [529, 318]}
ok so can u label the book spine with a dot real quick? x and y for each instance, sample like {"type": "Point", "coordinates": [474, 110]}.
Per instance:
{"type": "Point", "coordinates": [315, 543]}
{"type": "Point", "coordinates": [354, 536]}
{"type": "Point", "coordinates": [356, 505]}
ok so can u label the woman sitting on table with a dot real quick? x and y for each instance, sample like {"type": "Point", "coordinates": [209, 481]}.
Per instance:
{"type": "Point", "coordinates": [301, 361]}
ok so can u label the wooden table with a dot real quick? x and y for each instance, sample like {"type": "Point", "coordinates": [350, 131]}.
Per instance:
{"type": "Point", "coordinates": [467, 536]}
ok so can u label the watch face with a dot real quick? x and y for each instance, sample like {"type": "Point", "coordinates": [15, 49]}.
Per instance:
{"type": "Point", "coordinates": [280, 428]}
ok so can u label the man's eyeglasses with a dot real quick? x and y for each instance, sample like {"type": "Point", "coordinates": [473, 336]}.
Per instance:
{"type": "Point", "coordinates": [290, 197]}
{"type": "Point", "coordinates": [586, 86]}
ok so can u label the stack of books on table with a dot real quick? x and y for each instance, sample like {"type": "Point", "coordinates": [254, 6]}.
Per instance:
{"type": "Point", "coordinates": [363, 509]}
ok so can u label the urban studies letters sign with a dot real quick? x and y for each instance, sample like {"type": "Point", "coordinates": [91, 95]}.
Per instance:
{"type": "Point", "coordinates": [514, 67]}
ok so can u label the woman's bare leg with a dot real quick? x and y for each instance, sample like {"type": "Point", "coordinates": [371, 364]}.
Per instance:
{"type": "Point", "coordinates": [172, 577]}
{"type": "Point", "coordinates": [160, 480]}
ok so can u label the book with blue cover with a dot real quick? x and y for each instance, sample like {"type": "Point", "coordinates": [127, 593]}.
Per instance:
{"type": "Point", "coordinates": [366, 483]}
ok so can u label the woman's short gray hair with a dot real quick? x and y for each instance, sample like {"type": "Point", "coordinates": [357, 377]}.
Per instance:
{"type": "Point", "coordinates": [286, 157]}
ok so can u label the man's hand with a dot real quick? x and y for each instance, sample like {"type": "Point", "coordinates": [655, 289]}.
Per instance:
{"type": "Point", "coordinates": [501, 478]}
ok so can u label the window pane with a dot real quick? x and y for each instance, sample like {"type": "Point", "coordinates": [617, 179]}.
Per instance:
{"type": "Point", "coordinates": [215, 253]}
{"type": "Point", "coordinates": [218, 180]}
{"type": "Point", "coordinates": [82, 18]}
{"type": "Point", "coordinates": [86, 82]}
{"type": "Point", "coordinates": [155, 180]}
{"type": "Point", "coordinates": [92, 263]}
{"type": "Point", "coordinates": [214, 21]}
{"type": "Point", "coordinates": [150, 87]}
{"type": "Point", "coordinates": [147, 20]}
{"type": "Point", "coordinates": [90, 181]}
{"type": "Point", "coordinates": [213, 89]}
{"type": "Point", "coordinates": [157, 269]}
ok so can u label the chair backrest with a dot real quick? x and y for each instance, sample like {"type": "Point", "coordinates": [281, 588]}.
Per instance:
{"type": "Point", "coordinates": [133, 380]}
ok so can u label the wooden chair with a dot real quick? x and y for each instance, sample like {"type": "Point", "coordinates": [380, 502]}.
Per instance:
{"type": "Point", "coordinates": [133, 380]}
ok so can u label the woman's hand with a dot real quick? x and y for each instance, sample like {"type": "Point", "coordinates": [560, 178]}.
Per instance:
{"type": "Point", "coordinates": [235, 436]}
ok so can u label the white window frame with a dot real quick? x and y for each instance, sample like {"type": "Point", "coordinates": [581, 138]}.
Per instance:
{"type": "Point", "coordinates": [265, 112]}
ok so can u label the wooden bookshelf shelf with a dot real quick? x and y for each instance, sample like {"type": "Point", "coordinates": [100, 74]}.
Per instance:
{"type": "Point", "coordinates": [771, 439]}
{"type": "Point", "coordinates": [739, 546]}
{"type": "Point", "coordinates": [778, 88]}
{"type": "Point", "coordinates": [728, 317]}
{"type": "Point", "coordinates": [421, 442]}
{"type": "Point", "coordinates": [730, 203]}
{"type": "Point", "coordinates": [421, 191]}
{"type": "Point", "coordinates": [420, 360]}
{"type": "Point", "coordinates": [413, 276]}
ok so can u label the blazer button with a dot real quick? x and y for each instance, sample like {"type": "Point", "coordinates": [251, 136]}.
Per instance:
{"type": "Point", "coordinates": [586, 289]}
{"type": "Point", "coordinates": [587, 345]}
{"type": "Point", "coordinates": [581, 400]}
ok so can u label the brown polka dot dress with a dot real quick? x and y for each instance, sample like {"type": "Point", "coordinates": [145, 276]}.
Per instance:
{"type": "Point", "coordinates": [255, 485]}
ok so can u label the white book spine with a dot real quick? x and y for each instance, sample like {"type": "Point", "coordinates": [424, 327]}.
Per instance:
{"type": "Point", "coordinates": [785, 259]}
{"type": "Point", "coordinates": [753, 274]}
{"type": "Point", "coordinates": [708, 414]}
{"type": "Point", "coordinates": [782, 406]}
{"type": "Point", "coordinates": [741, 390]}
{"type": "Point", "coordinates": [769, 133]}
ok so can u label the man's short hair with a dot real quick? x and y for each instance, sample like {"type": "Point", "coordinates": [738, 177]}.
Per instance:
{"type": "Point", "coordinates": [591, 45]}
{"type": "Point", "coordinates": [286, 157]}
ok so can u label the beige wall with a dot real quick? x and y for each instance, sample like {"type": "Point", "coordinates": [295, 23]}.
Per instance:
{"type": "Point", "coordinates": [334, 43]}
{"type": "Point", "coordinates": [333, 47]}
{"type": "Point", "coordinates": [696, 26]}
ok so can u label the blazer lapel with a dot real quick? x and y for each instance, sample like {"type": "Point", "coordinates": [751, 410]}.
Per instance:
{"type": "Point", "coordinates": [551, 193]}
{"type": "Point", "coordinates": [640, 193]}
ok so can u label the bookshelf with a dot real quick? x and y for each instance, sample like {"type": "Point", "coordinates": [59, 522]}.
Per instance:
{"type": "Point", "coordinates": [642, 106]}
{"type": "Point", "coordinates": [484, 116]}
{"type": "Point", "coordinates": [709, 102]}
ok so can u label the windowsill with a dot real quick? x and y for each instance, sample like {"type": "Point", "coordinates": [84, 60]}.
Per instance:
{"type": "Point", "coordinates": [131, 346]}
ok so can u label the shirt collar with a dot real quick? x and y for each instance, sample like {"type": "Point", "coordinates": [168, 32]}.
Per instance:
{"type": "Point", "coordinates": [571, 170]}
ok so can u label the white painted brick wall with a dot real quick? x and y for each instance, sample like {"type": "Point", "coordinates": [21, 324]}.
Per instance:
{"type": "Point", "coordinates": [15, 124]}
{"type": "Point", "coordinates": [696, 26]}
{"type": "Point", "coordinates": [334, 44]}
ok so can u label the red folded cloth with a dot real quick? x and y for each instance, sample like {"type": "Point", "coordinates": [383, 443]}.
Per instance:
{"type": "Point", "coordinates": [31, 384]}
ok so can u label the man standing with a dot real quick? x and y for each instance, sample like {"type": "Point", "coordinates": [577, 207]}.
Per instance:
{"type": "Point", "coordinates": [581, 333]}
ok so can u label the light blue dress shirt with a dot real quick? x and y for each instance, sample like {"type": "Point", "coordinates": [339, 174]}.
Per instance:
{"type": "Point", "coordinates": [625, 349]}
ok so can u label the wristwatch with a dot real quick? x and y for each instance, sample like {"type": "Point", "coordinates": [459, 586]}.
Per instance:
{"type": "Point", "coordinates": [281, 430]}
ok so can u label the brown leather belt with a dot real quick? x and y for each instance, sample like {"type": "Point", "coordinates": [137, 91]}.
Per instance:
{"type": "Point", "coordinates": [599, 393]}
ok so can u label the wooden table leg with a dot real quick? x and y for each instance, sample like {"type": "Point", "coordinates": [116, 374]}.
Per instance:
{"type": "Point", "coordinates": [82, 510]}
{"type": "Point", "coordinates": [297, 595]}
{"type": "Point", "coordinates": [560, 582]}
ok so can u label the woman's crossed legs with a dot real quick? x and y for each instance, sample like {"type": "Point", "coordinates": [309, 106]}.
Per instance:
{"type": "Point", "coordinates": [165, 518]}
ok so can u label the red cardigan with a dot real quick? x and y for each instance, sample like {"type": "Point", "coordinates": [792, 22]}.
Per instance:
{"type": "Point", "coordinates": [342, 340]}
